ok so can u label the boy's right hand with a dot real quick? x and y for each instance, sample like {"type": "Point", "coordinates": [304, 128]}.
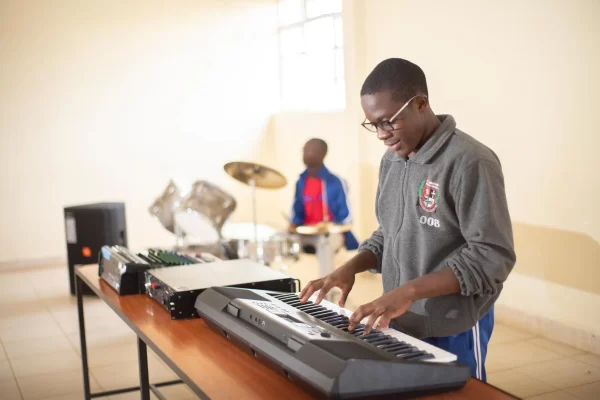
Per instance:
{"type": "Point", "coordinates": [342, 278]}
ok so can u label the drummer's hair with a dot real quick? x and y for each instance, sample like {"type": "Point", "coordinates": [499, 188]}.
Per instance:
{"type": "Point", "coordinates": [401, 77]}
{"type": "Point", "coordinates": [322, 143]}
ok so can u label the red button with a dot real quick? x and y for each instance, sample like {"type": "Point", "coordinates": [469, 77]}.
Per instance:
{"type": "Point", "coordinates": [86, 251]}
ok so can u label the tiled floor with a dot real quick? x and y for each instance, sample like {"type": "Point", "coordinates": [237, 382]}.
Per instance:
{"type": "Point", "coordinates": [39, 352]}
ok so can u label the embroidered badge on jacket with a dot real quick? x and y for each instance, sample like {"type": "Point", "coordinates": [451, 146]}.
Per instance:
{"type": "Point", "coordinates": [428, 195]}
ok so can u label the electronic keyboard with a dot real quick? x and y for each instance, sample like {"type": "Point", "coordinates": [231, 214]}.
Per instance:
{"type": "Point", "coordinates": [310, 345]}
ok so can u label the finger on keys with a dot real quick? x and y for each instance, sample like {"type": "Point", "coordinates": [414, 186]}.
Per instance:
{"type": "Point", "coordinates": [323, 292]}
{"type": "Point", "coordinates": [372, 320]}
{"type": "Point", "coordinates": [309, 289]}
{"type": "Point", "coordinates": [356, 317]}
{"type": "Point", "coordinates": [384, 321]}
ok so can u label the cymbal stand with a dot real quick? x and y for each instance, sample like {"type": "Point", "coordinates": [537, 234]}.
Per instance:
{"type": "Point", "coordinates": [258, 246]}
{"type": "Point", "coordinates": [252, 183]}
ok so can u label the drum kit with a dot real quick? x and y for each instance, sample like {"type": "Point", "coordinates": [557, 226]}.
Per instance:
{"type": "Point", "coordinates": [203, 212]}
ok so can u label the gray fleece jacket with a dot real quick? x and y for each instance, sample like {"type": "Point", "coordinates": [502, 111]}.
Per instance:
{"type": "Point", "coordinates": [445, 206]}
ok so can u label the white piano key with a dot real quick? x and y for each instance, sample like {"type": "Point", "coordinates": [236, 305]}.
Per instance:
{"type": "Point", "coordinates": [440, 356]}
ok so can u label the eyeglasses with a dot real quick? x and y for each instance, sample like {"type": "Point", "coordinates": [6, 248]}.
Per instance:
{"type": "Point", "coordinates": [385, 125]}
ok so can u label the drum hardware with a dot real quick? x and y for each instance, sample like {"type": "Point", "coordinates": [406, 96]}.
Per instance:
{"type": "Point", "coordinates": [271, 246]}
{"type": "Point", "coordinates": [255, 175]}
{"type": "Point", "coordinates": [195, 211]}
{"type": "Point", "coordinates": [203, 212]}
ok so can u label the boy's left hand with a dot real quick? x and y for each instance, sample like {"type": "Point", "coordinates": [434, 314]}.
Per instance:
{"type": "Point", "coordinates": [389, 306]}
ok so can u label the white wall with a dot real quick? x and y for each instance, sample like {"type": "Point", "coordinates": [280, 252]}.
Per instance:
{"type": "Point", "coordinates": [107, 100]}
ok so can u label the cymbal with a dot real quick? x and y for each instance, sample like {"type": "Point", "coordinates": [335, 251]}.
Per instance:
{"type": "Point", "coordinates": [322, 228]}
{"type": "Point", "coordinates": [263, 177]}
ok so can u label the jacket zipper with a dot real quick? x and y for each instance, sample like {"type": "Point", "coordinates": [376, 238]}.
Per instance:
{"type": "Point", "coordinates": [397, 260]}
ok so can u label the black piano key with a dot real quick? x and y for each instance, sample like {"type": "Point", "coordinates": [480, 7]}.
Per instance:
{"type": "Point", "coordinates": [324, 314]}
{"type": "Point", "coordinates": [391, 342]}
{"type": "Point", "coordinates": [372, 335]}
{"type": "Point", "coordinates": [284, 295]}
{"type": "Point", "coordinates": [382, 341]}
{"type": "Point", "coordinates": [322, 311]}
{"type": "Point", "coordinates": [289, 298]}
{"type": "Point", "coordinates": [396, 346]}
{"type": "Point", "coordinates": [332, 319]}
{"type": "Point", "coordinates": [360, 328]}
{"type": "Point", "coordinates": [312, 309]}
{"type": "Point", "coordinates": [342, 323]}
{"type": "Point", "coordinates": [358, 332]}
{"type": "Point", "coordinates": [379, 340]}
{"type": "Point", "coordinates": [335, 319]}
{"type": "Point", "coordinates": [412, 356]}
{"type": "Point", "coordinates": [304, 306]}
{"type": "Point", "coordinates": [405, 351]}
{"type": "Point", "coordinates": [420, 357]}
{"type": "Point", "coordinates": [317, 307]}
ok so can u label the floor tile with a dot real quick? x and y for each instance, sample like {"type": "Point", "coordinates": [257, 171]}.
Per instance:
{"type": "Point", "coordinates": [64, 361]}
{"type": "Point", "coordinates": [134, 396]}
{"type": "Point", "coordinates": [505, 334]}
{"type": "Point", "coordinates": [37, 347]}
{"type": "Point", "coordinates": [121, 375]}
{"type": "Point", "coordinates": [555, 347]}
{"type": "Point", "coordinates": [100, 356]}
{"type": "Point", "coordinates": [114, 337]}
{"type": "Point", "coordinates": [178, 392]}
{"type": "Point", "coordinates": [560, 395]}
{"type": "Point", "coordinates": [175, 392]}
{"type": "Point", "coordinates": [563, 373]}
{"type": "Point", "coordinates": [20, 308]}
{"type": "Point", "coordinates": [586, 392]}
{"type": "Point", "coordinates": [9, 389]}
{"type": "Point", "coordinates": [6, 371]}
{"type": "Point", "coordinates": [55, 385]}
{"type": "Point", "coordinates": [518, 384]}
{"type": "Point", "coordinates": [35, 326]}
{"type": "Point", "coordinates": [591, 359]}
{"type": "Point", "coordinates": [95, 317]}
{"type": "Point", "coordinates": [511, 355]}
{"type": "Point", "coordinates": [75, 396]}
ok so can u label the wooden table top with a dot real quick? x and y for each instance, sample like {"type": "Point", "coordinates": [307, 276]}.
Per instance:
{"type": "Point", "coordinates": [211, 365]}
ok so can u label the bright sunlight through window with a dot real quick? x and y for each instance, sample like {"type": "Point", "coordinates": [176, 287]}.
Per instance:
{"type": "Point", "coordinates": [311, 55]}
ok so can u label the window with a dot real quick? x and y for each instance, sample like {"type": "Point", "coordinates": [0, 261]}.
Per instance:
{"type": "Point", "coordinates": [311, 55]}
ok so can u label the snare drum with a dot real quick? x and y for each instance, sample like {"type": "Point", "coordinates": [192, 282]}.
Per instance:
{"type": "Point", "coordinates": [204, 211]}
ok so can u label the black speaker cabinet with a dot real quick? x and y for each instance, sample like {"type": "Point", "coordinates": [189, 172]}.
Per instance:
{"type": "Point", "coordinates": [88, 228]}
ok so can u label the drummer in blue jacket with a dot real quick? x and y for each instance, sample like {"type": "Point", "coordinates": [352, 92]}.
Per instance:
{"type": "Point", "coordinates": [314, 184]}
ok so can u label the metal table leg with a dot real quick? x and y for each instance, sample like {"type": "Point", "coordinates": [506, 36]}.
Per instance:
{"type": "Point", "coordinates": [144, 387]}
{"type": "Point", "coordinates": [84, 359]}
{"type": "Point", "coordinates": [143, 361]}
